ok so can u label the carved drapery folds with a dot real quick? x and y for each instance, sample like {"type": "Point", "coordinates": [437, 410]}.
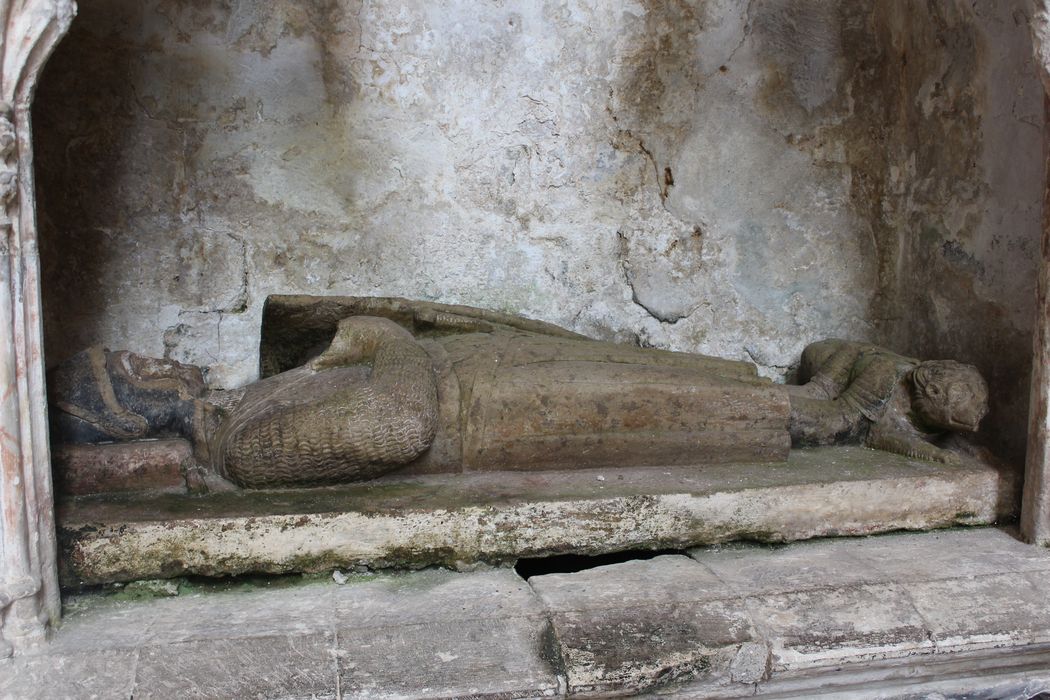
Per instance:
{"type": "Point", "coordinates": [28, 584]}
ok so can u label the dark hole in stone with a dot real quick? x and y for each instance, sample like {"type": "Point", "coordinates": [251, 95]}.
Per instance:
{"type": "Point", "coordinates": [571, 563]}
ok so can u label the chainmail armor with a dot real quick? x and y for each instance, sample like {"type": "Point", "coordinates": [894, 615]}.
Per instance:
{"type": "Point", "coordinates": [310, 427]}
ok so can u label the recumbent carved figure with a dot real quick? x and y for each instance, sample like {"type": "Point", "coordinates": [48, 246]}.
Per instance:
{"type": "Point", "coordinates": [425, 388]}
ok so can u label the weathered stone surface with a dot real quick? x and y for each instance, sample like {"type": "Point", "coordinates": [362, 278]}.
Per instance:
{"type": "Point", "coordinates": [957, 613]}
{"type": "Point", "coordinates": [29, 596]}
{"type": "Point", "coordinates": [751, 663]}
{"type": "Point", "coordinates": [895, 558]}
{"type": "Point", "coordinates": [260, 667]}
{"type": "Point", "coordinates": [1017, 674]}
{"type": "Point", "coordinates": [949, 554]}
{"type": "Point", "coordinates": [500, 517]}
{"type": "Point", "coordinates": [130, 466]}
{"type": "Point", "coordinates": [937, 194]}
{"type": "Point", "coordinates": [645, 582]}
{"type": "Point", "coordinates": [94, 674]}
{"type": "Point", "coordinates": [296, 611]}
{"type": "Point", "coordinates": [945, 277]}
{"type": "Point", "coordinates": [432, 596]}
{"type": "Point", "coordinates": [763, 569]}
{"type": "Point", "coordinates": [824, 627]}
{"type": "Point", "coordinates": [502, 657]}
{"type": "Point", "coordinates": [638, 625]}
{"type": "Point", "coordinates": [1035, 508]}
{"type": "Point", "coordinates": [628, 650]}
{"type": "Point", "coordinates": [902, 593]}
{"type": "Point", "coordinates": [570, 177]}
{"type": "Point", "coordinates": [366, 601]}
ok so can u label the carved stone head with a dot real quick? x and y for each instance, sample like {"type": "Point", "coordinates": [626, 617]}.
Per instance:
{"type": "Point", "coordinates": [949, 395]}
{"type": "Point", "coordinates": [7, 131]}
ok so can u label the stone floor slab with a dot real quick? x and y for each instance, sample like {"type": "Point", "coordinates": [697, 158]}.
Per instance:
{"type": "Point", "coordinates": [816, 619]}
{"type": "Point", "coordinates": [839, 624]}
{"type": "Point", "coordinates": [1019, 674]}
{"type": "Point", "coordinates": [414, 635]}
{"type": "Point", "coordinates": [366, 601]}
{"type": "Point", "coordinates": [427, 596]}
{"type": "Point", "coordinates": [895, 557]}
{"type": "Point", "coordinates": [661, 580]}
{"type": "Point", "coordinates": [761, 569]}
{"type": "Point", "coordinates": [993, 610]}
{"type": "Point", "coordinates": [948, 554]}
{"type": "Point", "coordinates": [91, 674]}
{"type": "Point", "coordinates": [216, 669]}
{"type": "Point", "coordinates": [637, 625]}
{"type": "Point", "coordinates": [114, 623]}
{"type": "Point", "coordinates": [630, 650]}
{"type": "Point", "coordinates": [493, 658]}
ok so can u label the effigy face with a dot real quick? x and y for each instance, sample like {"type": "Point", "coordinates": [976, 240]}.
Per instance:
{"type": "Point", "coordinates": [387, 391]}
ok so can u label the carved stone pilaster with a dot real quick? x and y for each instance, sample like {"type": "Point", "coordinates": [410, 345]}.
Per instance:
{"type": "Point", "coordinates": [28, 583]}
{"type": "Point", "coordinates": [1035, 504]}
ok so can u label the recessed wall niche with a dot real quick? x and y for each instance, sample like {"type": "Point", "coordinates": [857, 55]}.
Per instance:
{"type": "Point", "coordinates": [736, 179]}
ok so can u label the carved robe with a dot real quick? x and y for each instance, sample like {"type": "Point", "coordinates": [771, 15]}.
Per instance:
{"type": "Point", "coordinates": [495, 397]}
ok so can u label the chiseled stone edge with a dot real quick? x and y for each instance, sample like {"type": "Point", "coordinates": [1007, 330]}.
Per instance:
{"type": "Point", "coordinates": [503, 532]}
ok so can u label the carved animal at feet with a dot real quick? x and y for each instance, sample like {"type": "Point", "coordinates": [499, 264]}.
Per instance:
{"type": "Point", "coordinates": [861, 393]}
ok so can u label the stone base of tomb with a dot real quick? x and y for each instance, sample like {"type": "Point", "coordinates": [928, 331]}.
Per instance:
{"type": "Point", "coordinates": [950, 614]}
{"type": "Point", "coordinates": [460, 521]}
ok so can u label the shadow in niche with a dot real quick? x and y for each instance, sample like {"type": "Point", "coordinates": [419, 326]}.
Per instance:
{"type": "Point", "coordinates": [84, 117]}
{"type": "Point", "coordinates": [572, 563]}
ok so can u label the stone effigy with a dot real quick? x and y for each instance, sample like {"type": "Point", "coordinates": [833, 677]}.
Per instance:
{"type": "Point", "coordinates": [861, 393]}
{"type": "Point", "coordinates": [354, 388]}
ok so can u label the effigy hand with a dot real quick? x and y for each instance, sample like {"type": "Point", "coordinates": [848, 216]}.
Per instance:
{"type": "Point", "coordinates": [356, 340]}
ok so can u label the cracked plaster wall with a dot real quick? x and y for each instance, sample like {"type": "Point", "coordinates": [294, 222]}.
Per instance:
{"type": "Point", "coordinates": [727, 177]}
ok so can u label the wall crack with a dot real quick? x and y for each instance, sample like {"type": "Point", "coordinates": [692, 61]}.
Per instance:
{"type": "Point", "coordinates": [623, 257]}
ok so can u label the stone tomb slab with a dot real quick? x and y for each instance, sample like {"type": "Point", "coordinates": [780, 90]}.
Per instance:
{"type": "Point", "coordinates": [499, 517]}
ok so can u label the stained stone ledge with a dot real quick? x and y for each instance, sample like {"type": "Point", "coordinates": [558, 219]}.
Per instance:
{"type": "Point", "coordinates": [497, 518]}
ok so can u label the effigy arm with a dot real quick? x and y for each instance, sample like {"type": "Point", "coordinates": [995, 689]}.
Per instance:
{"type": "Point", "coordinates": [358, 431]}
{"type": "Point", "coordinates": [822, 421]}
